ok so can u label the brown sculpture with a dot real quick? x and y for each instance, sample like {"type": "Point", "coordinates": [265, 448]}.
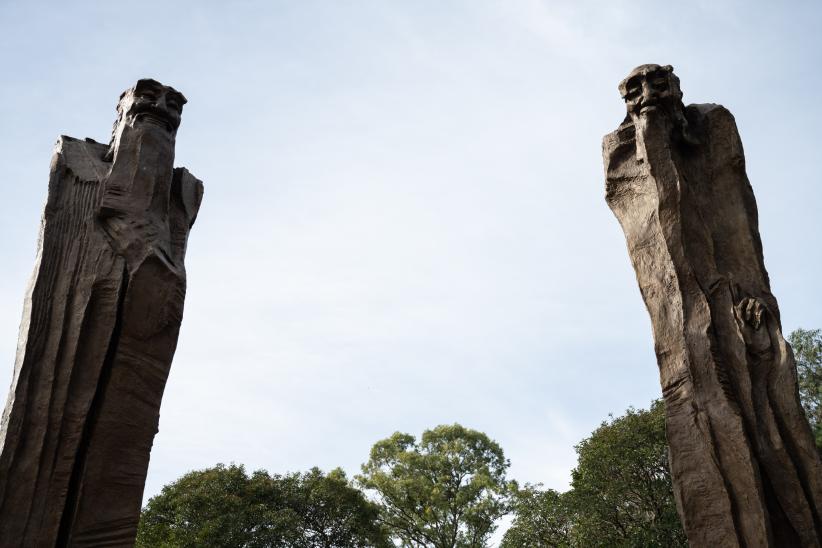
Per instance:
{"type": "Point", "coordinates": [99, 330]}
{"type": "Point", "coordinates": [745, 468]}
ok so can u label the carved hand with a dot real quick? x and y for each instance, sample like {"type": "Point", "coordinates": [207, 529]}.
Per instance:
{"type": "Point", "coordinates": [752, 318]}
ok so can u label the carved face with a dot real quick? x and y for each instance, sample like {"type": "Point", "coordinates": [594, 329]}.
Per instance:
{"type": "Point", "coordinates": [150, 102]}
{"type": "Point", "coordinates": [651, 87]}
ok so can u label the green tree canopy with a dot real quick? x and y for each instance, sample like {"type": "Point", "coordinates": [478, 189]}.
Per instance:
{"type": "Point", "coordinates": [807, 348]}
{"type": "Point", "coordinates": [223, 507]}
{"type": "Point", "coordinates": [621, 492]}
{"type": "Point", "coordinates": [543, 519]}
{"type": "Point", "coordinates": [623, 483]}
{"type": "Point", "coordinates": [447, 491]}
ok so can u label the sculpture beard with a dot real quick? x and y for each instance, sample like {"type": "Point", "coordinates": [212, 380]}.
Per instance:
{"type": "Point", "coordinates": [139, 182]}
{"type": "Point", "coordinates": [654, 103]}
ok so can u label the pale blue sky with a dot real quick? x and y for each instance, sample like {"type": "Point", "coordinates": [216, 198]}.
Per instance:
{"type": "Point", "coordinates": [404, 221]}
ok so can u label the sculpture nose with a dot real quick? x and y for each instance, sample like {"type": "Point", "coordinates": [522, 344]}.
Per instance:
{"type": "Point", "coordinates": [648, 91]}
{"type": "Point", "coordinates": [160, 102]}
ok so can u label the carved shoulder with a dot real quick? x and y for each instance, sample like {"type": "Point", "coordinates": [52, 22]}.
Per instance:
{"type": "Point", "coordinates": [622, 171]}
{"type": "Point", "coordinates": [187, 192]}
{"type": "Point", "coordinates": [73, 161]}
{"type": "Point", "coordinates": [718, 125]}
{"type": "Point", "coordinates": [83, 158]}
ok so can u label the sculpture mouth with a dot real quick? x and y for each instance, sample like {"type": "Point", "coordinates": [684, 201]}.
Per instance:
{"type": "Point", "coordinates": [156, 118]}
{"type": "Point", "coordinates": [649, 104]}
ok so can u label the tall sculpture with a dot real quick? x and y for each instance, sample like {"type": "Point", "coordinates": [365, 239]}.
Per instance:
{"type": "Point", "coordinates": [744, 465]}
{"type": "Point", "coordinates": [99, 330]}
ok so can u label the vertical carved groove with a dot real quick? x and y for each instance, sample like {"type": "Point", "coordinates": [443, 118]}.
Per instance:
{"type": "Point", "coordinates": [78, 471]}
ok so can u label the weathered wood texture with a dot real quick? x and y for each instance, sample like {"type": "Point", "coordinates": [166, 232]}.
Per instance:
{"type": "Point", "coordinates": [745, 468]}
{"type": "Point", "coordinates": [99, 330]}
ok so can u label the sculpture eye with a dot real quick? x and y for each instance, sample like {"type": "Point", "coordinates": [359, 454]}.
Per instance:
{"type": "Point", "coordinates": [660, 83]}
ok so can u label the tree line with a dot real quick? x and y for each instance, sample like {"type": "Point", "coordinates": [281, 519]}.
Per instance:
{"type": "Point", "coordinates": [449, 489]}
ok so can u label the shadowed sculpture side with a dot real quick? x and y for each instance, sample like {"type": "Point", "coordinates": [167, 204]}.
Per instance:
{"type": "Point", "coordinates": [99, 330]}
{"type": "Point", "coordinates": [743, 461]}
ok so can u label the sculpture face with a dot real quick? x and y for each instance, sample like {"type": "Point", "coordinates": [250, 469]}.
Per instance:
{"type": "Point", "coordinates": [651, 87]}
{"type": "Point", "coordinates": [150, 102]}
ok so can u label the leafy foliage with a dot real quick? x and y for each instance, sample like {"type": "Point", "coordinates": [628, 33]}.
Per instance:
{"type": "Point", "coordinates": [543, 519]}
{"type": "Point", "coordinates": [223, 507]}
{"type": "Point", "coordinates": [446, 491]}
{"type": "Point", "coordinates": [622, 485]}
{"type": "Point", "coordinates": [621, 492]}
{"type": "Point", "coordinates": [807, 348]}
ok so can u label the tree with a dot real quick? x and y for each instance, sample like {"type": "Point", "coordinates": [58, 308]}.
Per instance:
{"type": "Point", "coordinates": [542, 519]}
{"type": "Point", "coordinates": [621, 492]}
{"type": "Point", "coordinates": [622, 484]}
{"type": "Point", "coordinates": [447, 491]}
{"type": "Point", "coordinates": [807, 348]}
{"type": "Point", "coordinates": [223, 507]}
